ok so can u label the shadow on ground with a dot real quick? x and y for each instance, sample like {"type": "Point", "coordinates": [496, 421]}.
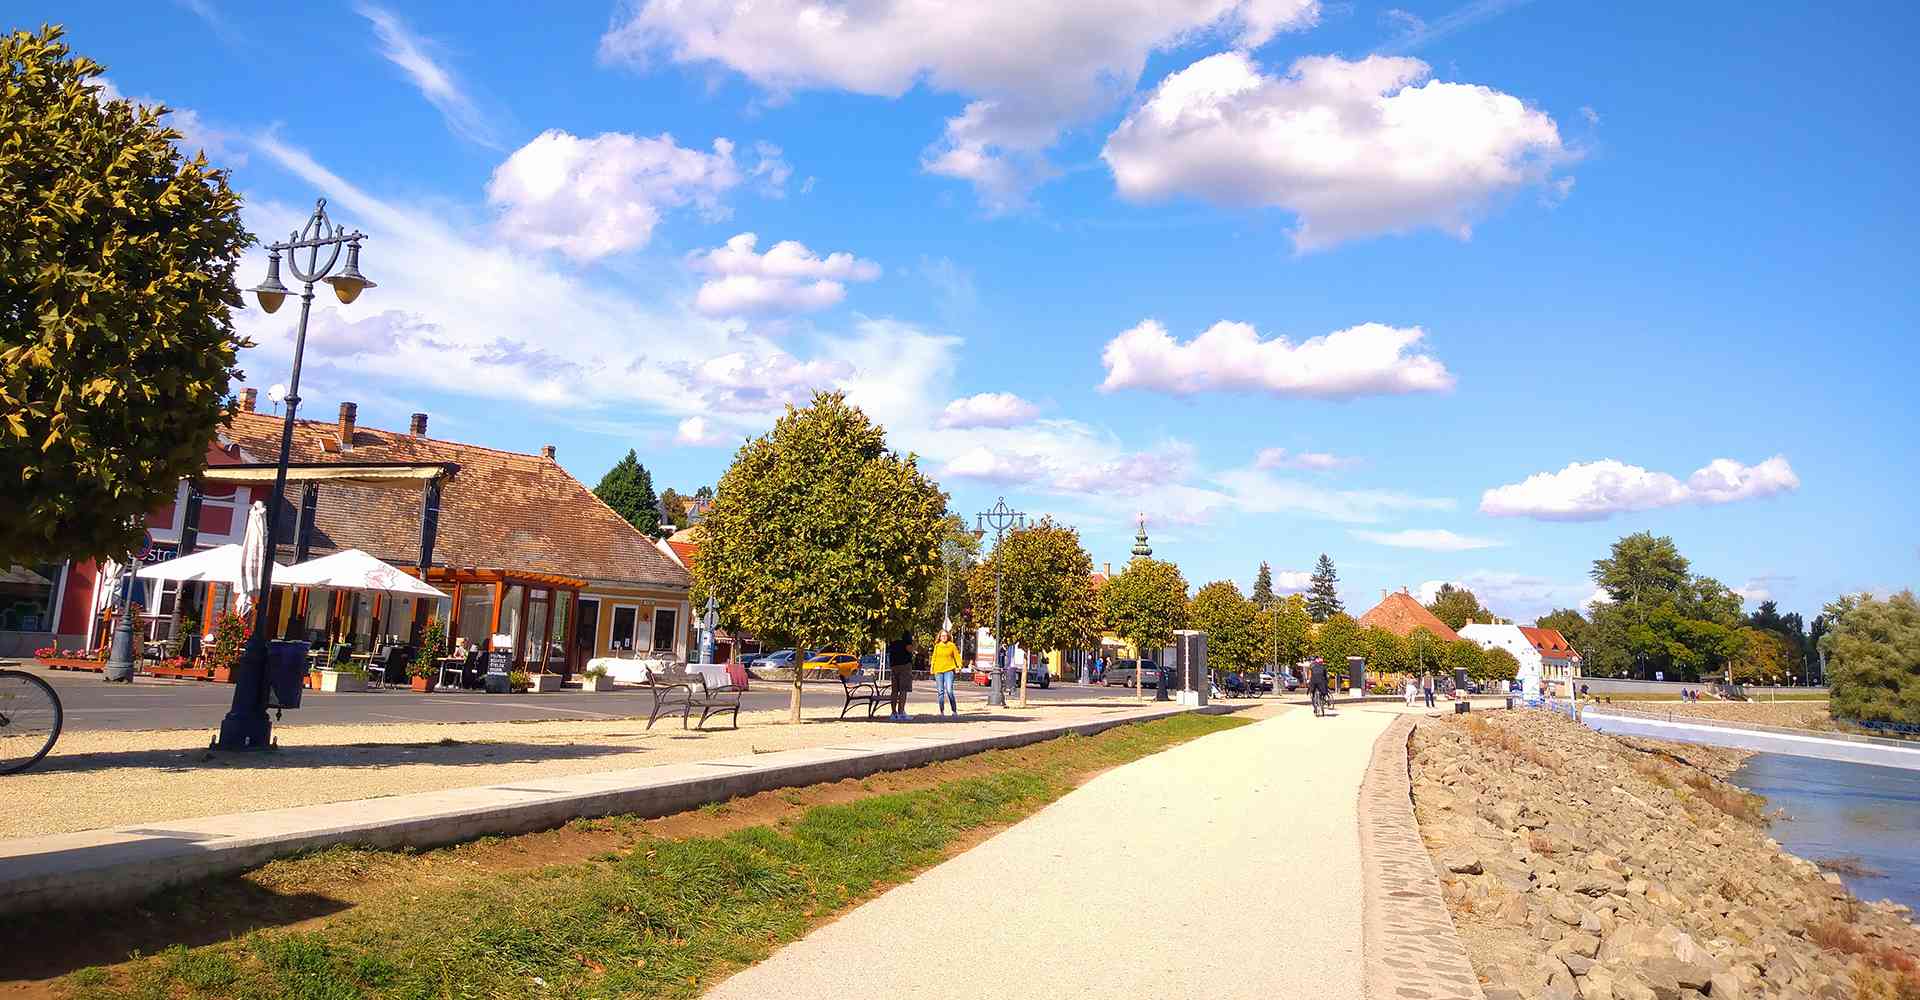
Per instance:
{"type": "Point", "coordinates": [347, 755]}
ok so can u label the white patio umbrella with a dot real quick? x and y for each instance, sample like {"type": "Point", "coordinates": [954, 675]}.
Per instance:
{"type": "Point", "coordinates": [215, 565]}
{"type": "Point", "coordinates": [352, 569]}
{"type": "Point", "coordinates": [253, 556]}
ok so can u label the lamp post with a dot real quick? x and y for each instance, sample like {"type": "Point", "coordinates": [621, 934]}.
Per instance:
{"type": "Point", "coordinates": [246, 726]}
{"type": "Point", "coordinates": [1000, 518]}
{"type": "Point", "coordinates": [950, 553]}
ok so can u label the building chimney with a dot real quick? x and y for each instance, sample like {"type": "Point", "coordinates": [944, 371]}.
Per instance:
{"type": "Point", "coordinates": [546, 452]}
{"type": "Point", "coordinates": [248, 397]}
{"type": "Point", "coordinates": [348, 412]}
{"type": "Point", "coordinates": [418, 425]}
{"type": "Point", "coordinates": [1106, 570]}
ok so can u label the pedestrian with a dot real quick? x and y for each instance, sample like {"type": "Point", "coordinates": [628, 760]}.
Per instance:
{"type": "Point", "coordinates": [1410, 689]}
{"type": "Point", "coordinates": [946, 666]}
{"type": "Point", "coordinates": [900, 661]}
{"type": "Point", "coordinates": [1426, 687]}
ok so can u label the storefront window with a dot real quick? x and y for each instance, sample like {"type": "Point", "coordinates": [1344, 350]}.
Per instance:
{"type": "Point", "coordinates": [665, 623]}
{"type": "Point", "coordinates": [623, 623]}
{"type": "Point", "coordinates": [510, 620]}
{"type": "Point", "coordinates": [26, 598]}
{"type": "Point", "coordinates": [476, 613]}
{"type": "Point", "coordinates": [536, 645]}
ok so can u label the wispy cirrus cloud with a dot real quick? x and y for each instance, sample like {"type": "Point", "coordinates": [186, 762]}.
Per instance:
{"type": "Point", "coordinates": [1416, 32]}
{"type": "Point", "coordinates": [1428, 539]}
{"type": "Point", "coordinates": [1310, 461]}
{"type": "Point", "coordinates": [435, 81]}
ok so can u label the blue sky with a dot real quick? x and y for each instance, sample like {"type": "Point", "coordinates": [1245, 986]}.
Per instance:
{"type": "Point", "coordinates": [1499, 281]}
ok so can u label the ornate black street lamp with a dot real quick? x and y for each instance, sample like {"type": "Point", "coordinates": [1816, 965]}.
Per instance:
{"type": "Point", "coordinates": [1000, 519]}
{"type": "Point", "coordinates": [246, 726]}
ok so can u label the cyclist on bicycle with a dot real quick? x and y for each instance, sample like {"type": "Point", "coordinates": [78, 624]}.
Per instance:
{"type": "Point", "coordinates": [1318, 685]}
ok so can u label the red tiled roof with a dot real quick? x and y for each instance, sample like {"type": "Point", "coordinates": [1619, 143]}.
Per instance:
{"type": "Point", "coordinates": [685, 550]}
{"type": "Point", "coordinates": [1549, 641]}
{"type": "Point", "coordinates": [501, 510]}
{"type": "Point", "coordinates": [1400, 614]}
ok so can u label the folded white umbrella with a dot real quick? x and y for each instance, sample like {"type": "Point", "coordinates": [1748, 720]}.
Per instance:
{"type": "Point", "coordinates": [253, 556]}
{"type": "Point", "coordinates": [352, 569]}
{"type": "Point", "coordinates": [216, 565]}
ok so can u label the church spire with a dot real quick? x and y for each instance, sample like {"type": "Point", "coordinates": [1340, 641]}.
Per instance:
{"type": "Point", "coordinates": [1141, 549]}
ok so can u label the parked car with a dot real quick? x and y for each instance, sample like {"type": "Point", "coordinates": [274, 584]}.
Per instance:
{"type": "Point", "coordinates": [1037, 675]}
{"type": "Point", "coordinates": [1266, 680]}
{"type": "Point", "coordinates": [841, 663]}
{"type": "Point", "coordinates": [870, 663]}
{"type": "Point", "coordinates": [1120, 673]}
{"type": "Point", "coordinates": [779, 659]}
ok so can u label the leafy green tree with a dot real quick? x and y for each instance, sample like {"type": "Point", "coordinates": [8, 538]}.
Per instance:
{"type": "Point", "coordinates": [1046, 589]}
{"type": "Point", "coordinates": [1497, 664]}
{"type": "Point", "coordinates": [1338, 638]}
{"type": "Point", "coordinates": [1571, 624]}
{"type": "Point", "coordinates": [703, 493]}
{"type": "Point", "coordinates": [1425, 650]}
{"type": "Point", "coordinates": [1234, 642]}
{"type": "Point", "coordinates": [673, 508]}
{"type": "Point", "coordinates": [820, 536]}
{"type": "Point", "coordinates": [1765, 657]}
{"type": "Point", "coordinates": [1262, 595]}
{"type": "Point", "coordinates": [1662, 621]}
{"type": "Point", "coordinates": [1464, 654]}
{"type": "Point", "coordinates": [953, 589]}
{"type": "Point", "coordinates": [1288, 631]}
{"type": "Point", "coordinates": [1456, 606]}
{"type": "Point", "coordinates": [1323, 599]}
{"type": "Point", "coordinates": [117, 346]}
{"type": "Point", "coordinates": [1641, 567]}
{"type": "Point", "coordinates": [1386, 652]}
{"type": "Point", "coordinates": [1145, 604]}
{"type": "Point", "coordinates": [1873, 659]}
{"type": "Point", "coordinates": [628, 489]}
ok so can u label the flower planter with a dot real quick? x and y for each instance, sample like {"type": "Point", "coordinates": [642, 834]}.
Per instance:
{"type": "Point", "coordinates": [421, 684]}
{"type": "Point", "coordinates": [592, 683]}
{"type": "Point", "coordinates": [223, 675]}
{"type": "Point", "coordinates": [341, 682]}
{"type": "Point", "coordinates": [540, 683]}
{"type": "Point", "coordinates": [71, 663]}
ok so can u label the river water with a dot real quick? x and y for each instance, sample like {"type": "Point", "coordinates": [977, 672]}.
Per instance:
{"type": "Point", "coordinates": [1836, 809]}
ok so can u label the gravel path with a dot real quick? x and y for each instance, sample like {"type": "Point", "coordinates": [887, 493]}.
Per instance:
{"type": "Point", "coordinates": [1122, 887]}
{"type": "Point", "coordinates": [102, 779]}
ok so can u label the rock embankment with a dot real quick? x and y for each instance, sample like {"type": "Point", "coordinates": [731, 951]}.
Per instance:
{"type": "Point", "coordinates": [1577, 865]}
{"type": "Point", "coordinates": [1790, 714]}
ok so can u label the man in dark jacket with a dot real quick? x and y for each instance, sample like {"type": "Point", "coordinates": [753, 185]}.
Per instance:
{"type": "Point", "coordinates": [900, 662]}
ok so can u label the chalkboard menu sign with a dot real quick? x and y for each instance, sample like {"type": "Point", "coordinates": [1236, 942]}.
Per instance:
{"type": "Point", "coordinates": [499, 664]}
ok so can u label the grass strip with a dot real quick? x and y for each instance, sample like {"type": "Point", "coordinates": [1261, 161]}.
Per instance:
{"type": "Point", "coordinates": [663, 919]}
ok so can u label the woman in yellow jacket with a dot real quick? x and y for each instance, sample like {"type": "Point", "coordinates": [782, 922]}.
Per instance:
{"type": "Point", "coordinates": [946, 665]}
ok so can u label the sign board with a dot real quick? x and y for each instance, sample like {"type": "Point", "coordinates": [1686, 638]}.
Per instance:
{"type": "Point", "coordinates": [499, 664]}
{"type": "Point", "coordinates": [984, 650]}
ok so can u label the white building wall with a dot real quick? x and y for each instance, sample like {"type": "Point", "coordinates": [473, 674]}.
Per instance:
{"type": "Point", "coordinates": [1511, 639]}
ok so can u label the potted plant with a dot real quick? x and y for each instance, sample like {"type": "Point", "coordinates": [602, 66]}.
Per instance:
{"type": "Point", "coordinates": [343, 678]}
{"type": "Point", "coordinates": [542, 682]}
{"type": "Point", "coordinates": [518, 681]}
{"type": "Point", "coordinates": [596, 679]}
{"type": "Point", "coordinates": [230, 631]}
{"type": "Point", "coordinates": [424, 672]}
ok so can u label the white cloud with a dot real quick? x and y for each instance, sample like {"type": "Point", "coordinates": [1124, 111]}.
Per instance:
{"type": "Point", "coordinates": [1257, 491]}
{"type": "Point", "coordinates": [787, 278]}
{"type": "Point", "coordinates": [770, 170]}
{"type": "Point", "coordinates": [435, 81]}
{"type": "Point", "coordinates": [987, 465]}
{"type": "Point", "coordinates": [588, 198]}
{"type": "Point", "coordinates": [988, 409]}
{"type": "Point", "coordinates": [1592, 116]}
{"type": "Point", "coordinates": [1363, 360]}
{"type": "Point", "coordinates": [1429, 539]}
{"type": "Point", "coordinates": [1351, 149]}
{"type": "Point", "coordinates": [1029, 70]}
{"type": "Point", "coordinates": [1417, 33]}
{"type": "Point", "coordinates": [1311, 461]}
{"type": "Point", "coordinates": [1591, 491]}
{"type": "Point", "coordinates": [698, 432]}
{"type": "Point", "coordinates": [1518, 596]}
{"type": "Point", "coordinates": [1292, 581]}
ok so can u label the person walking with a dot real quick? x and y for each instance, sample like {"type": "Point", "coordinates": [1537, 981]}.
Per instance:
{"type": "Point", "coordinates": [1426, 688]}
{"type": "Point", "coordinates": [946, 666]}
{"type": "Point", "coordinates": [900, 662]}
{"type": "Point", "coordinates": [1411, 688]}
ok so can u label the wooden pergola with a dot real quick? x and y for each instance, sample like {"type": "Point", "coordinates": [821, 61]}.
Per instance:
{"type": "Point", "coordinates": [553, 588]}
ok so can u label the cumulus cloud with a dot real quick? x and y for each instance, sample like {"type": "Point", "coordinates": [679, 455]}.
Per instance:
{"type": "Point", "coordinates": [988, 409]}
{"type": "Point", "coordinates": [1429, 539]}
{"type": "Point", "coordinates": [698, 432]}
{"type": "Point", "coordinates": [1071, 61]}
{"type": "Point", "coordinates": [787, 278]}
{"type": "Point", "coordinates": [1369, 359]}
{"type": "Point", "coordinates": [1311, 461]}
{"type": "Point", "coordinates": [402, 47]}
{"type": "Point", "coordinates": [588, 198]}
{"type": "Point", "coordinates": [1591, 491]}
{"type": "Point", "coordinates": [1351, 149]}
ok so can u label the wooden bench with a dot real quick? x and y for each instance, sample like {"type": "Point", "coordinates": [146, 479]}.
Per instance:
{"type": "Point", "coordinates": [679, 688]}
{"type": "Point", "coordinates": [858, 688]}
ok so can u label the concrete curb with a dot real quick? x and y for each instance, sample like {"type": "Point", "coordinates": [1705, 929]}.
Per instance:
{"type": "Point", "coordinates": [97, 867]}
{"type": "Point", "coordinates": [1410, 944]}
{"type": "Point", "coordinates": [1760, 739]}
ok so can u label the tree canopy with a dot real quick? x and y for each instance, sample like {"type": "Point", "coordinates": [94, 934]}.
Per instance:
{"type": "Point", "coordinates": [1234, 641]}
{"type": "Point", "coordinates": [953, 589]}
{"type": "Point", "coordinates": [1660, 619]}
{"type": "Point", "coordinates": [821, 537]}
{"type": "Point", "coordinates": [1465, 654]}
{"type": "Point", "coordinates": [1338, 638]}
{"type": "Point", "coordinates": [1287, 630]}
{"type": "Point", "coordinates": [1497, 664]}
{"type": "Point", "coordinates": [628, 489]}
{"type": "Point", "coordinates": [1046, 588]}
{"type": "Point", "coordinates": [1764, 657]}
{"type": "Point", "coordinates": [1456, 606]}
{"type": "Point", "coordinates": [1873, 658]}
{"type": "Point", "coordinates": [1262, 595]}
{"type": "Point", "coordinates": [1146, 603]}
{"type": "Point", "coordinates": [1571, 624]}
{"type": "Point", "coordinates": [117, 346]}
{"type": "Point", "coordinates": [1323, 599]}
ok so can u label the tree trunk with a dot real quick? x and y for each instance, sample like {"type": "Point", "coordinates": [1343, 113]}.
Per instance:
{"type": "Point", "coordinates": [793, 708]}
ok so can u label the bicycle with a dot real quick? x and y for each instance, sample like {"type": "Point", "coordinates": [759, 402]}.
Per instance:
{"type": "Point", "coordinates": [30, 718]}
{"type": "Point", "coordinates": [1319, 702]}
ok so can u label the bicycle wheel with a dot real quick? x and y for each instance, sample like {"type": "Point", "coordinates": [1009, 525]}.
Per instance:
{"type": "Point", "coordinates": [30, 720]}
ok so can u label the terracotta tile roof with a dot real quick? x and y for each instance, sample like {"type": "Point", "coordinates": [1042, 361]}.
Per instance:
{"type": "Point", "coordinates": [1549, 642]}
{"type": "Point", "coordinates": [1400, 614]}
{"type": "Point", "coordinates": [502, 510]}
{"type": "Point", "coordinates": [684, 550]}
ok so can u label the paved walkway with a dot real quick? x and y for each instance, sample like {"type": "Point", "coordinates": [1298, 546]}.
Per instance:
{"type": "Point", "coordinates": [1122, 887]}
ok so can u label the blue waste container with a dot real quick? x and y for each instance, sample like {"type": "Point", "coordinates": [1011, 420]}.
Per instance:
{"type": "Point", "coordinates": [286, 670]}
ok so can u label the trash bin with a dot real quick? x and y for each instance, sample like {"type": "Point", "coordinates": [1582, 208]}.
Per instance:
{"type": "Point", "coordinates": [1462, 708]}
{"type": "Point", "coordinates": [286, 670]}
